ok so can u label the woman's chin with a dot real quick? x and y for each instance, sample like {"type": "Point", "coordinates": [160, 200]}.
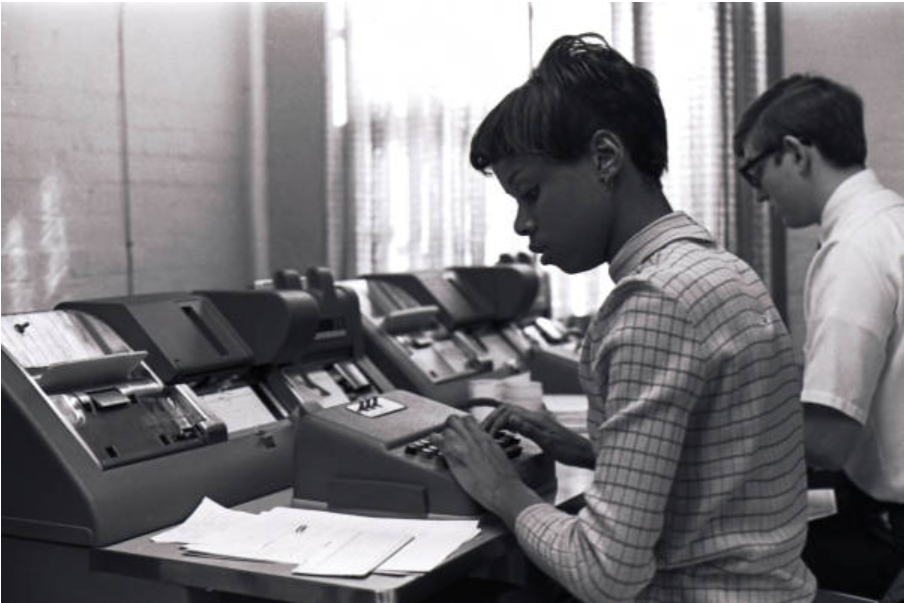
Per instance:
{"type": "Point", "coordinates": [568, 267]}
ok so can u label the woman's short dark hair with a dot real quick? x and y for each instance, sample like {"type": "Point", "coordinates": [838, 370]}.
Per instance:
{"type": "Point", "coordinates": [810, 107]}
{"type": "Point", "coordinates": [580, 86]}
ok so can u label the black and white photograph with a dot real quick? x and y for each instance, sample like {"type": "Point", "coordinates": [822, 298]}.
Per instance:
{"type": "Point", "coordinates": [444, 302]}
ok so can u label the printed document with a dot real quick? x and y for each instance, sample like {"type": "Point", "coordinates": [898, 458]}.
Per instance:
{"type": "Point", "coordinates": [320, 542]}
{"type": "Point", "coordinates": [433, 540]}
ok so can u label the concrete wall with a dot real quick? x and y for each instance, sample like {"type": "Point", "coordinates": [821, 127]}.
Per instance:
{"type": "Point", "coordinates": [61, 179]}
{"type": "Point", "coordinates": [186, 76]}
{"type": "Point", "coordinates": [861, 45]}
{"type": "Point", "coordinates": [126, 147]}
{"type": "Point", "coordinates": [296, 134]}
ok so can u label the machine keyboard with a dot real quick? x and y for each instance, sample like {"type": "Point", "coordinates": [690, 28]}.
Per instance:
{"type": "Point", "coordinates": [508, 441]}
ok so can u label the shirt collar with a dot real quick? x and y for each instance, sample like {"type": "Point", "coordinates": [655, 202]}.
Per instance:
{"type": "Point", "coordinates": [653, 237]}
{"type": "Point", "coordinates": [840, 201]}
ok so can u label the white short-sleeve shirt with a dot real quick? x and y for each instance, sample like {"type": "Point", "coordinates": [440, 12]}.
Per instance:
{"type": "Point", "coordinates": [854, 311]}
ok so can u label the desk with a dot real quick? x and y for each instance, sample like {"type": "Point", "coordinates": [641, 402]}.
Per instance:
{"type": "Point", "coordinates": [142, 558]}
{"type": "Point", "coordinates": [205, 579]}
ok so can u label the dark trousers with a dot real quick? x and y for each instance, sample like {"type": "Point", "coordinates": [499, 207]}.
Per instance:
{"type": "Point", "coordinates": [860, 550]}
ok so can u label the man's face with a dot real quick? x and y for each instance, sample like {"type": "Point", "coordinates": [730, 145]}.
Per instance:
{"type": "Point", "coordinates": [776, 178]}
{"type": "Point", "coordinates": [562, 208]}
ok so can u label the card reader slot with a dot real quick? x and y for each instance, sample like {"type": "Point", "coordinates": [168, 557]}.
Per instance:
{"type": "Point", "coordinates": [62, 377]}
{"type": "Point", "coordinates": [204, 328]}
{"type": "Point", "coordinates": [110, 398]}
{"type": "Point", "coordinates": [477, 358]}
{"type": "Point", "coordinates": [352, 376]}
{"type": "Point", "coordinates": [407, 320]}
{"type": "Point", "coordinates": [184, 403]}
{"type": "Point", "coordinates": [387, 297]}
{"type": "Point", "coordinates": [142, 387]}
{"type": "Point", "coordinates": [121, 394]}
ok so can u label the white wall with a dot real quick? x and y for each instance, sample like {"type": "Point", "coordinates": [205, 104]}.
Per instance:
{"type": "Point", "coordinates": [187, 93]}
{"type": "Point", "coordinates": [63, 188]}
{"type": "Point", "coordinates": [861, 45]}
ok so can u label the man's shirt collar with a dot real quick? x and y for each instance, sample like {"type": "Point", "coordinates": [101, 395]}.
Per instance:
{"type": "Point", "coordinates": [840, 202]}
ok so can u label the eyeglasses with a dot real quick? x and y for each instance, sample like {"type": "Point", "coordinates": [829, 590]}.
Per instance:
{"type": "Point", "coordinates": [748, 171]}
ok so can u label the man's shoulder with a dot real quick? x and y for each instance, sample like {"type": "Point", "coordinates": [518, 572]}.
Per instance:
{"type": "Point", "coordinates": [877, 212]}
{"type": "Point", "coordinates": [873, 234]}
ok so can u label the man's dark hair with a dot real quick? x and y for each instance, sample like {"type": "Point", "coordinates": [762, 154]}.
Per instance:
{"type": "Point", "coordinates": [810, 107]}
{"type": "Point", "coordinates": [580, 86]}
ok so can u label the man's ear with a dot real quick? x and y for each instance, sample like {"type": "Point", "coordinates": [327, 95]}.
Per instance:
{"type": "Point", "coordinates": [608, 155]}
{"type": "Point", "coordinates": [800, 151]}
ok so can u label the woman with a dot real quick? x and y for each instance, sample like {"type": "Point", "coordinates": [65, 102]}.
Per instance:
{"type": "Point", "coordinates": [694, 420]}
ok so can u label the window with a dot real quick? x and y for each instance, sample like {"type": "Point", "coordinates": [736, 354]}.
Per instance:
{"type": "Point", "coordinates": [409, 83]}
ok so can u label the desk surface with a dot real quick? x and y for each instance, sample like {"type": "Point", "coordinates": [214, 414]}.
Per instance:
{"type": "Point", "coordinates": [142, 558]}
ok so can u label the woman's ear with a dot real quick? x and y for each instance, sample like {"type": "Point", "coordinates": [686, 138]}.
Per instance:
{"type": "Point", "coordinates": [608, 155]}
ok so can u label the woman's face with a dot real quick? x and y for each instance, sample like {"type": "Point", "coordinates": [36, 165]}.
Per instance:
{"type": "Point", "coordinates": [562, 207]}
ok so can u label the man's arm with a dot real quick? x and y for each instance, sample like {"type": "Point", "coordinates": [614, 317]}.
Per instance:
{"type": "Point", "coordinates": [829, 437]}
{"type": "Point", "coordinates": [850, 314]}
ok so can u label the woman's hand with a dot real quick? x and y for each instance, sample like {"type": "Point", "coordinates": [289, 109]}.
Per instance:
{"type": "Point", "coordinates": [482, 469]}
{"type": "Point", "coordinates": [541, 426]}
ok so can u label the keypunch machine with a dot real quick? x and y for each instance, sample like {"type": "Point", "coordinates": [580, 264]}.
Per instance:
{"type": "Point", "coordinates": [122, 413]}
{"type": "Point", "coordinates": [114, 428]}
{"type": "Point", "coordinates": [380, 459]}
{"type": "Point", "coordinates": [435, 331]}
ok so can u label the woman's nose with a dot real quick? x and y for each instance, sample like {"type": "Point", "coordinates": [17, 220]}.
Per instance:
{"type": "Point", "coordinates": [524, 223]}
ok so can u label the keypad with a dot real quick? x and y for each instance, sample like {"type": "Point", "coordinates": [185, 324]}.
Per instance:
{"type": "Point", "coordinates": [508, 441]}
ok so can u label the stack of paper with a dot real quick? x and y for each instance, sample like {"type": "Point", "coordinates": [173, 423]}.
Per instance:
{"type": "Point", "coordinates": [431, 540]}
{"type": "Point", "coordinates": [320, 542]}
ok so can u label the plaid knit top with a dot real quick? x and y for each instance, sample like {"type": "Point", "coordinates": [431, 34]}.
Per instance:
{"type": "Point", "coordinates": [699, 489]}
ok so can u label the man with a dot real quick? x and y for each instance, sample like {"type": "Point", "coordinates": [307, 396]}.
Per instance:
{"type": "Point", "coordinates": [802, 146]}
{"type": "Point", "coordinates": [695, 426]}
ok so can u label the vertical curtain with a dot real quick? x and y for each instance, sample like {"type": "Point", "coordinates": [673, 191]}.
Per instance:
{"type": "Point", "coordinates": [418, 78]}
{"type": "Point", "coordinates": [711, 61]}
